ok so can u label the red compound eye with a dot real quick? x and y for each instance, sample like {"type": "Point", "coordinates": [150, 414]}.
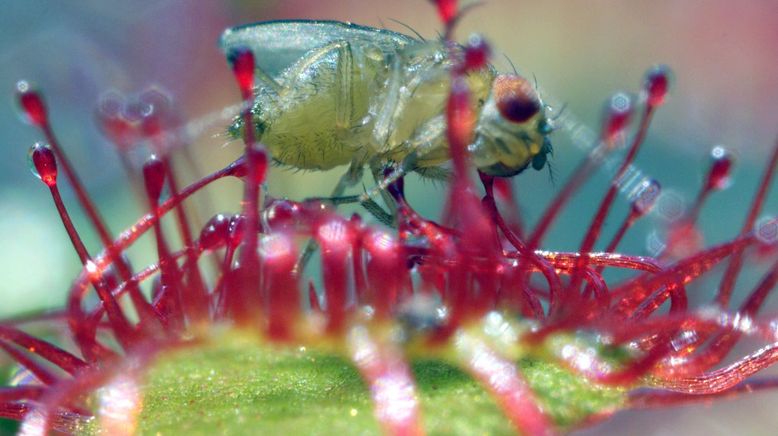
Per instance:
{"type": "Point", "coordinates": [516, 99]}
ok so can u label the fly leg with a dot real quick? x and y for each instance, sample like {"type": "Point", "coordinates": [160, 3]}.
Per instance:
{"type": "Point", "coordinates": [379, 175]}
{"type": "Point", "coordinates": [423, 153]}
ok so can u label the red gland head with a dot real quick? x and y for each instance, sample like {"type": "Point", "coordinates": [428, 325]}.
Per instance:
{"type": "Point", "coordinates": [31, 103]}
{"type": "Point", "coordinates": [477, 52]}
{"type": "Point", "coordinates": [111, 120]}
{"type": "Point", "coordinates": [242, 61]}
{"type": "Point", "coordinates": [447, 10]}
{"type": "Point", "coordinates": [154, 178]}
{"type": "Point", "coordinates": [44, 164]}
{"type": "Point", "coordinates": [215, 233]}
{"type": "Point", "coordinates": [618, 112]}
{"type": "Point", "coordinates": [657, 85]}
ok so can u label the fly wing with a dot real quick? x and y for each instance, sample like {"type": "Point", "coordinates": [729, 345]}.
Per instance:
{"type": "Point", "coordinates": [278, 44]}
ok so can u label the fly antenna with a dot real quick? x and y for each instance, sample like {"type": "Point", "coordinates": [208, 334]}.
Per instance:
{"type": "Point", "coordinates": [510, 62]}
{"type": "Point", "coordinates": [418, 35]}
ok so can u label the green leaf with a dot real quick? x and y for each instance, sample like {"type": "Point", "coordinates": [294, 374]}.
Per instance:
{"type": "Point", "coordinates": [236, 385]}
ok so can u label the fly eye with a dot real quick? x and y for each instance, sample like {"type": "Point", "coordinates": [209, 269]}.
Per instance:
{"type": "Point", "coordinates": [516, 100]}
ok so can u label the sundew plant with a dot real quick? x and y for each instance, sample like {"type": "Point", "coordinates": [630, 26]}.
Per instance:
{"type": "Point", "coordinates": [291, 315]}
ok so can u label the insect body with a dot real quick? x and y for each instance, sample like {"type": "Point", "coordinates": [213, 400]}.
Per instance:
{"type": "Point", "coordinates": [333, 93]}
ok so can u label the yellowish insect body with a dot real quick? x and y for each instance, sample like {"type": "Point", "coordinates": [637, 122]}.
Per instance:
{"type": "Point", "coordinates": [333, 93]}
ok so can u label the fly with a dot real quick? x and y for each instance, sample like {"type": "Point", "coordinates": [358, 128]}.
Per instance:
{"type": "Point", "coordinates": [331, 93]}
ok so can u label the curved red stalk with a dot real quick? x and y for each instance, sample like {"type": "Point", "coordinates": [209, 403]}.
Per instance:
{"type": "Point", "coordinates": [634, 292]}
{"type": "Point", "coordinates": [82, 329]}
{"type": "Point", "coordinates": [43, 374]}
{"type": "Point", "coordinates": [279, 256]}
{"type": "Point", "coordinates": [554, 284]}
{"type": "Point", "coordinates": [628, 222]}
{"type": "Point", "coordinates": [684, 235]}
{"type": "Point", "coordinates": [652, 398]}
{"type": "Point", "coordinates": [505, 190]}
{"type": "Point", "coordinates": [194, 291]}
{"type": "Point", "coordinates": [18, 393]}
{"type": "Point", "coordinates": [625, 376]}
{"type": "Point", "coordinates": [313, 298]}
{"type": "Point", "coordinates": [34, 106]}
{"type": "Point", "coordinates": [678, 301]}
{"type": "Point", "coordinates": [218, 296]}
{"type": "Point", "coordinates": [169, 301]}
{"type": "Point", "coordinates": [396, 406]}
{"type": "Point", "coordinates": [336, 238]}
{"type": "Point", "coordinates": [385, 268]}
{"type": "Point", "coordinates": [567, 260]}
{"type": "Point", "coordinates": [593, 232]}
{"type": "Point", "coordinates": [722, 344]}
{"type": "Point", "coordinates": [97, 313]}
{"type": "Point", "coordinates": [243, 285]}
{"type": "Point", "coordinates": [47, 411]}
{"type": "Point", "coordinates": [357, 259]}
{"type": "Point", "coordinates": [644, 198]}
{"type": "Point", "coordinates": [46, 166]}
{"type": "Point", "coordinates": [736, 260]}
{"type": "Point", "coordinates": [501, 378]}
{"type": "Point", "coordinates": [725, 378]}
{"type": "Point", "coordinates": [65, 423]}
{"type": "Point", "coordinates": [50, 352]}
{"type": "Point", "coordinates": [576, 180]}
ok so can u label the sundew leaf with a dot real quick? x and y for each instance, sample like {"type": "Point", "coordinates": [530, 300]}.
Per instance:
{"type": "Point", "coordinates": [236, 385]}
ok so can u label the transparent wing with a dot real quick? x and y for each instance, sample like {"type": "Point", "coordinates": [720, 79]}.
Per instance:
{"type": "Point", "coordinates": [278, 44]}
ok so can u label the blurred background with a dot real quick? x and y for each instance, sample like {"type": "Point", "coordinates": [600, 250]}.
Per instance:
{"type": "Point", "coordinates": [725, 92]}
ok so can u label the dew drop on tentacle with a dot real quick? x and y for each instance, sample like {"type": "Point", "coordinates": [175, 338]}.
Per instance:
{"type": "Point", "coordinates": [215, 233]}
{"type": "Point", "coordinates": [43, 164]}
{"type": "Point", "coordinates": [282, 215]}
{"type": "Point", "coordinates": [766, 231]}
{"type": "Point", "coordinates": [154, 179]}
{"type": "Point", "coordinates": [644, 196]}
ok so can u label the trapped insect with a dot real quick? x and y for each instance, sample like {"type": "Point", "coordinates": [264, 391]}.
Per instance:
{"type": "Point", "coordinates": [331, 93]}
